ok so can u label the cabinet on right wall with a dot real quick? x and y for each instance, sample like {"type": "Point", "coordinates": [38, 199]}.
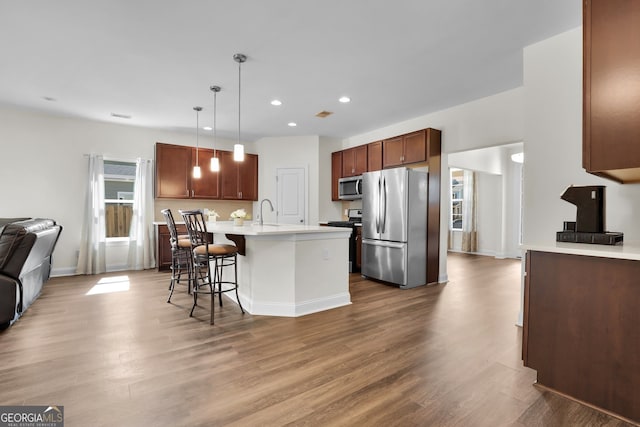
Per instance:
{"type": "Point", "coordinates": [611, 96]}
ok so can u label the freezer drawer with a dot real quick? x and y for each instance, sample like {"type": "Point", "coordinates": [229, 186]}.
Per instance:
{"type": "Point", "coordinates": [385, 261]}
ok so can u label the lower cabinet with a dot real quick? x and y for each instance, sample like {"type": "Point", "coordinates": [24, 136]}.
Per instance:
{"type": "Point", "coordinates": [163, 245]}
{"type": "Point", "coordinates": [580, 329]}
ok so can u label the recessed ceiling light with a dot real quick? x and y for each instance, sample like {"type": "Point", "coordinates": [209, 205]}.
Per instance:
{"type": "Point", "coordinates": [207, 128]}
{"type": "Point", "coordinates": [276, 102]}
{"type": "Point", "coordinates": [344, 99]}
{"type": "Point", "coordinates": [292, 124]}
{"type": "Point", "coordinates": [120, 116]}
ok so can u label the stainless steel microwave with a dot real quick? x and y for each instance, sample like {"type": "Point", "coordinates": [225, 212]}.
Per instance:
{"type": "Point", "coordinates": [350, 188]}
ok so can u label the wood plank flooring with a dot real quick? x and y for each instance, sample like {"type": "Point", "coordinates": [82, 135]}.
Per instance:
{"type": "Point", "coordinates": [447, 355]}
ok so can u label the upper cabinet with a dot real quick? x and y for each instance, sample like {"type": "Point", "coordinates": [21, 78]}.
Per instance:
{"type": "Point", "coordinates": [174, 167]}
{"type": "Point", "coordinates": [207, 186]}
{"type": "Point", "coordinates": [405, 149]}
{"type": "Point", "coordinates": [374, 156]}
{"type": "Point", "coordinates": [173, 171]}
{"type": "Point", "coordinates": [354, 161]}
{"type": "Point", "coordinates": [611, 96]}
{"type": "Point", "coordinates": [336, 174]}
{"type": "Point", "coordinates": [239, 180]}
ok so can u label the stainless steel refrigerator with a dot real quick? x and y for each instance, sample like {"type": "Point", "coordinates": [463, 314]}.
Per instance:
{"type": "Point", "coordinates": [394, 226]}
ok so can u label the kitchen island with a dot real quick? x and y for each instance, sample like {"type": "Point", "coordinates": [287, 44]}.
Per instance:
{"type": "Point", "coordinates": [581, 321]}
{"type": "Point", "coordinates": [288, 270]}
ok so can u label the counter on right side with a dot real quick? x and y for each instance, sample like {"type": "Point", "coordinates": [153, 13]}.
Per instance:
{"type": "Point", "coordinates": [581, 330]}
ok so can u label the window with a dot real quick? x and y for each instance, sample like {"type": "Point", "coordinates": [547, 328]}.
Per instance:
{"type": "Point", "coordinates": [457, 195]}
{"type": "Point", "coordinates": [119, 180]}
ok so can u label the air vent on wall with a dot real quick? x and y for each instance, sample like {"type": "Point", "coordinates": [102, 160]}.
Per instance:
{"type": "Point", "coordinates": [322, 114]}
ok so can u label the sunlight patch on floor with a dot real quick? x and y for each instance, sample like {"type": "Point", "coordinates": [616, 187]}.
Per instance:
{"type": "Point", "coordinates": [109, 285]}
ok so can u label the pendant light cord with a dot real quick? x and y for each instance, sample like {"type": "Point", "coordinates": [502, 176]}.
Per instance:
{"type": "Point", "coordinates": [215, 96]}
{"type": "Point", "coordinates": [197, 109]}
{"type": "Point", "coordinates": [239, 97]}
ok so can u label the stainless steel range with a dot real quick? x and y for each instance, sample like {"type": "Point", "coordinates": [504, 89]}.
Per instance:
{"type": "Point", "coordinates": [355, 220]}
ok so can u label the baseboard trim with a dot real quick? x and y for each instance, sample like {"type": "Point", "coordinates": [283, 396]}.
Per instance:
{"type": "Point", "coordinates": [265, 308]}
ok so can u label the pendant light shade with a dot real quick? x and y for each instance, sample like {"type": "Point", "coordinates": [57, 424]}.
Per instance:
{"type": "Point", "coordinates": [238, 152]}
{"type": "Point", "coordinates": [238, 148]}
{"type": "Point", "coordinates": [215, 162]}
{"type": "Point", "coordinates": [197, 173]}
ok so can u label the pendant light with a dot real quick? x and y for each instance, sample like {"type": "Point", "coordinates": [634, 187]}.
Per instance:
{"type": "Point", "coordinates": [215, 162]}
{"type": "Point", "coordinates": [197, 173]}
{"type": "Point", "coordinates": [238, 148]}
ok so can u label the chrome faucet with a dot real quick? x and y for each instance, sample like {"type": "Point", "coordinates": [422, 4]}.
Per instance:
{"type": "Point", "coordinates": [261, 204]}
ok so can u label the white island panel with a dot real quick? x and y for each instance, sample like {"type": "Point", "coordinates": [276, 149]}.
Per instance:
{"type": "Point", "coordinates": [290, 270]}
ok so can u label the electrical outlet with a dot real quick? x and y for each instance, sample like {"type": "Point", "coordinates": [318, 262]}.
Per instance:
{"type": "Point", "coordinates": [325, 254]}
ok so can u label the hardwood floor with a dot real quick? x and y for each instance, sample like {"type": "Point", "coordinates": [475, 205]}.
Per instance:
{"type": "Point", "coordinates": [447, 355]}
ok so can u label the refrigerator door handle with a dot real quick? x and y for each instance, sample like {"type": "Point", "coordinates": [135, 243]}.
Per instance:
{"type": "Point", "coordinates": [378, 207]}
{"type": "Point", "coordinates": [383, 243]}
{"type": "Point", "coordinates": [384, 210]}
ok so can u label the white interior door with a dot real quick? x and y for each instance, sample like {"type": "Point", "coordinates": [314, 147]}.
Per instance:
{"type": "Point", "coordinates": [291, 199]}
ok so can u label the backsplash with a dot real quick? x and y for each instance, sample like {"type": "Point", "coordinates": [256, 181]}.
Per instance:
{"type": "Point", "coordinates": [222, 207]}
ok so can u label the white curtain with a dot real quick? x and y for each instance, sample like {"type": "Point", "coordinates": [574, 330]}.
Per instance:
{"type": "Point", "coordinates": [91, 258]}
{"type": "Point", "coordinates": [141, 233]}
{"type": "Point", "coordinates": [469, 213]}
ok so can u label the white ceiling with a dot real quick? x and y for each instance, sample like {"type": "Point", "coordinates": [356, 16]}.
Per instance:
{"type": "Point", "coordinates": [155, 59]}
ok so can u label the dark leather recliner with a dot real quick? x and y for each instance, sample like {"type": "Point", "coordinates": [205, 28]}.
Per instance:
{"type": "Point", "coordinates": [25, 263]}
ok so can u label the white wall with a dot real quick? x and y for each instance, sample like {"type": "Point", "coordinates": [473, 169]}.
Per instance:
{"type": "Point", "coordinates": [44, 170]}
{"type": "Point", "coordinates": [310, 152]}
{"type": "Point", "coordinates": [486, 122]}
{"type": "Point", "coordinates": [487, 160]}
{"type": "Point", "coordinates": [553, 144]}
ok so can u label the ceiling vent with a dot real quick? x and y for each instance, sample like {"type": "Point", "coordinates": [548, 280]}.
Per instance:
{"type": "Point", "coordinates": [323, 114]}
{"type": "Point", "coordinates": [120, 116]}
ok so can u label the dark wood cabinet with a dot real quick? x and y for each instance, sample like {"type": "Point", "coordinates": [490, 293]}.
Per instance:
{"type": "Point", "coordinates": [163, 250]}
{"type": "Point", "coordinates": [336, 174]}
{"type": "Point", "coordinates": [248, 181]}
{"type": "Point", "coordinates": [358, 260]}
{"type": "Point", "coordinates": [174, 180]}
{"type": "Point", "coordinates": [238, 180]}
{"type": "Point", "coordinates": [208, 185]}
{"type": "Point", "coordinates": [611, 96]}
{"type": "Point", "coordinates": [580, 330]}
{"type": "Point", "coordinates": [404, 149]}
{"type": "Point", "coordinates": [374, 156]}
{"type": "Point", "coordinates": [173, 171]}
{"type": "Point", "coordinates": [174, 168]}
{"type": "Point", "coordinates": [354, 161]}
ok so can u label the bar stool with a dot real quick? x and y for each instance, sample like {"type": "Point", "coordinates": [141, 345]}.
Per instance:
{"type": "Point", "coordinates": [181, 257]}
{"type": "Point", "coordinates": [204, 253]}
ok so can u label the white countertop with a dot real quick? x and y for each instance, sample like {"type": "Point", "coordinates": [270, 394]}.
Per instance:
{"type": "Point", "coordinates": [253, 229]}
{"type": "Point", "coordinates": [628, 250]}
